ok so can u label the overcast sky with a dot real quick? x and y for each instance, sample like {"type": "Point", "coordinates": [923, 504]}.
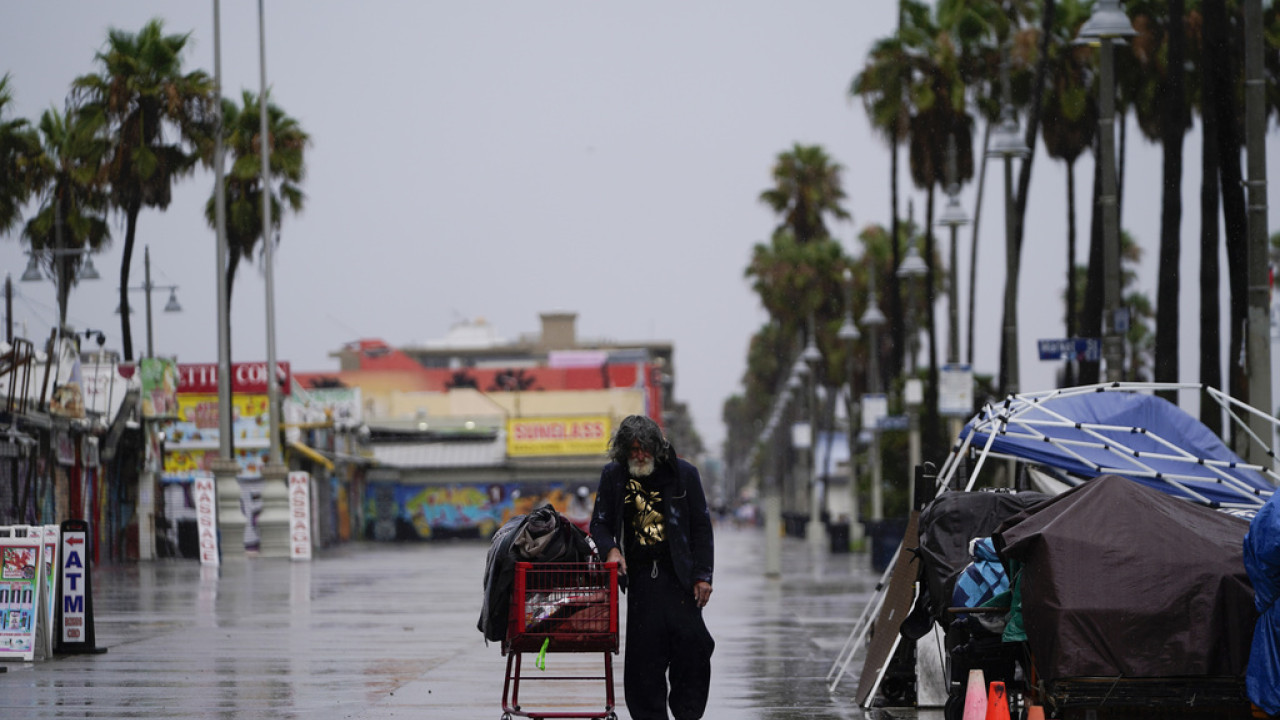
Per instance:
{"type": "Point", "coordinates": [502, 159]}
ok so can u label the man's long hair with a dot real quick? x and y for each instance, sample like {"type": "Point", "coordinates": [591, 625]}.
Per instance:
{"type": "Point", "coordinates": [638, 429]}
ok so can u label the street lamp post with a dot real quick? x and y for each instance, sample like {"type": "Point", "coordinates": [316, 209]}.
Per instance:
{"type": "Point", "coordinates": [912, 267]}
{"type": "Point", "coordinates": [848, 334]}
{"type": "Point", "coordinates": [1107, 24]}
{"type": "Point", "coordinates": [147, 286]}
{"type": "Point", "coordinates": [873, 320]}
{"type": "Point", "coordinates": [273, 522]}
{"type": "Point", "coordinates": [231, 519]}
{"type": "Point", "coordinates": [1007, 143]}
{"type": "Point", "coordinates": [59, 274]}
{"type": "Point", "coordinates": [147, 479]}
{"type": "Point", "coordinates": [811, 357]}
{"type": "Point", "coordinates": [953, 216]}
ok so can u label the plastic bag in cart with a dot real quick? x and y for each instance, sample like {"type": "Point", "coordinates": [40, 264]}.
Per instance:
{"type": "Point", "coordinates": [541, 536]}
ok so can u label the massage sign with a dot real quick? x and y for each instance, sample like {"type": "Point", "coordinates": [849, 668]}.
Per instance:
{"type": "Point", "coordinates": [74, 622]}
{"type": "Point", "coordinates": [300, 515]}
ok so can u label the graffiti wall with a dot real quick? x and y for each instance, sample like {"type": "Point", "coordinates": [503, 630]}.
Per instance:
{"type": "Point", "coordinates": [416, 512]}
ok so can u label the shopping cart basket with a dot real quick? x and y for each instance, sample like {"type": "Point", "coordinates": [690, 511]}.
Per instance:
{"type": "Point", "coordinates": [561, 608]}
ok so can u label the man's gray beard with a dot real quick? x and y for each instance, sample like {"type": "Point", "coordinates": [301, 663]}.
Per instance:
{"type": "Point", "coordinates": [640, 469]}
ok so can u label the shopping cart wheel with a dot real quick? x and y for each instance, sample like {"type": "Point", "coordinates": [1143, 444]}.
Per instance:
{"type": "Point", "coordinates": [506, 716]}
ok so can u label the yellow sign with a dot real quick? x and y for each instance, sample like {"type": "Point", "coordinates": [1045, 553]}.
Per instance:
{"type": "Point", "coordinates": [558, 436]}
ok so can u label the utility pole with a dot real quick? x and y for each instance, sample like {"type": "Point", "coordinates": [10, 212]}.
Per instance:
{"type": "Point", "coordinates": [1258, 336]}
{"type": "Point", "coordinates": [231, 519]}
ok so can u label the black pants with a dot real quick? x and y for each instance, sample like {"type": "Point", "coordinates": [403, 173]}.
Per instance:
{"type": "Point", "coordinates": [664, 632]}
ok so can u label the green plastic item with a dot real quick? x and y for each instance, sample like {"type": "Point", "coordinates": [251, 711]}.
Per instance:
{"type": "Point", "coordinates": [541, 662]}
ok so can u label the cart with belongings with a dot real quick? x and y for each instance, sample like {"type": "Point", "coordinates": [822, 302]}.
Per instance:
{"type": "Point", "coordinates": [547, 592]}
{"type": "Point", "coordinates": [1118, 585]}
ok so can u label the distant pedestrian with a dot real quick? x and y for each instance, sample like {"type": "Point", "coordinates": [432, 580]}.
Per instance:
{"type": "Point", "coordinates": [651, 517]}
{"type": "Point", "coordinates": [579, 510]}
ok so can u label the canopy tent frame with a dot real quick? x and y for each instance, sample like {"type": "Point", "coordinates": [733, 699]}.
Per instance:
{"type": "Point", "coordinates": [1009, 418]}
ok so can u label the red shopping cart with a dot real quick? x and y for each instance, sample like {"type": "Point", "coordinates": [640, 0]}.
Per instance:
{"type": "Point", "coordinates": [561, 608]}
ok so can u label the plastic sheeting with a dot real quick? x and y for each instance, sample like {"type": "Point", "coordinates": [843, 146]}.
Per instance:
{"type": "Point", "coordinates": [541, 536]}
{"type": "Point", "coordinates": [1262, 561]}
{"type": "Point", "coordinates": [1120, 580]}
{"type": "Point", "coordinates": [1141, 422]}
{"type": "Point", "coordinates": [947, 524]}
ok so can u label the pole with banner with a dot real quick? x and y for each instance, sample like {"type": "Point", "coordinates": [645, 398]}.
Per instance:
{"type": "Point", "coordinates": [206, 500]}
{"type": "Point", "coordinates": [300, 515]}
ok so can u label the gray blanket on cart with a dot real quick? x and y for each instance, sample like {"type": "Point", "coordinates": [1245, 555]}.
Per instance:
{"type": "Point", "coordinates": [543, 535]}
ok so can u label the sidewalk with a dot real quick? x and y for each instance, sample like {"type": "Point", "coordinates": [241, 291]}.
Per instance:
{"type": "Point", "coordinates": [376, 631]}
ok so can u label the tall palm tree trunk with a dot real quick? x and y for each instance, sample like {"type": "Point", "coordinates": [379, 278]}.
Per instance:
{"type": "Point", "coordinates": [932, 446]}
{"type": "Point", "coordinates": [1168, 290]}
{"type": "Point", "coordinates": [130, 232]}
{"type": "Point", "coordinates": [1210, 310]}
{"type": "Point", "coordinates": [897, 326]}
{"type": "Point", "coordinates": [1024, 171]}
{"type": "Point", "coordinates": [1233, 204]}
{"type": "Point", "coordinates": [1070, 379]}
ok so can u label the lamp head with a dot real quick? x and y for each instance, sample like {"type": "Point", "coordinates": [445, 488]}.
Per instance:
{"type": "Point", "coordinates": [953, 214]}
{"type": "Point", "coordinates": [87, 270]}
{"type": "Point", "coordinates": [873, 317]}
{"type": "Point", "coordinates": [1107, 21]}
{"type": "Point", "coordinates": [172, 305]}
{"type": "Point", "coordinates": [1006, 139]}
{"type": "Point", "coordinates": [32, 273]}
{"type": "Point", "coordinates": [912, 265]}
{"type": "Point", "coordinates": [848, 331]}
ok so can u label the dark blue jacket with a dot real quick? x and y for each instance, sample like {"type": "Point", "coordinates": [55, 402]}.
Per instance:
{"type": "Point", "coordinates": [688, 524]}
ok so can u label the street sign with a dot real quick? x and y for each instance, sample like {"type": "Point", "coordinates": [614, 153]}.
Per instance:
{"type": "Point", "coordinates": [894, 422]}
{"type": "Point", "coordinates": [1079, 349]}
{"type": "Point", "coordinates": [955, 390]}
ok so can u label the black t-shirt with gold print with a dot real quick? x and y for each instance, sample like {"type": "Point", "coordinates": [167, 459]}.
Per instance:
{"type": "Point", "coordinates": [645, 511]}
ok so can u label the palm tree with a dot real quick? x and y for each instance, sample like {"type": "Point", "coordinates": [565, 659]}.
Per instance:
{"type": "Point", "coordinates": [73, 202]}
{"type": "Point", "coordinates": [19, 169]}
{"type": "Point", "coordinates": [940, 114]}
{"type": "Point", "coordinates": [157, 117]}
{"type": "Point", "coordinates": [1156, 81]}
{"type": "Point", "coordinates": [243, 184]}
{"type": "Point", "coordinates": [797, 274]}
{"type": "Point", "coordinates": [1070, 123]}
{"type": "Point", "coordinates": [1222, 61]}
{"type": "Point", "coordinates": [806, 189]}
{"type": "Point", "coordinates": [882, 85]}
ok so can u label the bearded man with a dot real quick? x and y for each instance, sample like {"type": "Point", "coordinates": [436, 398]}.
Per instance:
{"type": "Point", "coordinates": [651, 518]}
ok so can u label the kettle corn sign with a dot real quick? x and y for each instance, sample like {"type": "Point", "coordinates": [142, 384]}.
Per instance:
{"type": "Point", "coordinates": [558, 436]}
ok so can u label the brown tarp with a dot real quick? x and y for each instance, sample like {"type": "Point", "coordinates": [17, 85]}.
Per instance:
{"type": "Point", "coordinates": [1119, 580]}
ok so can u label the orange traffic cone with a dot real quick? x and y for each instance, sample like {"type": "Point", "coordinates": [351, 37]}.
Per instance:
{"type": "Point", "coordinates": [975, 698]}
{"type": "Point", "coordinates": [997, 702]}
{"type": "Point", "coordinates": [1035, 712]}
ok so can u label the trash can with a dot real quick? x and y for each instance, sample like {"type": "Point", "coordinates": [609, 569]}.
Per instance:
{"type": "Point", "coordinates": [886, 535]}
{"type": "Point", "coordinates": [838, 532]}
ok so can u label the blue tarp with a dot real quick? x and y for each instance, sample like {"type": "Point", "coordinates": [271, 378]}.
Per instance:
{"type": "Point", "coordinates": [1262, 562]}
{"type": "Point", "coordinates": [1081, 452]}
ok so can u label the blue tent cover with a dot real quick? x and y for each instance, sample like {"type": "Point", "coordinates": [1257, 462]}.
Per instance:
{"type": "Point", "coordinates": [1139, 417]}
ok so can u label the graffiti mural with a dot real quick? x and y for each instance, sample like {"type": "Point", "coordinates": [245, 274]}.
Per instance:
{"type": "Point", "coordinates": [400, 512]}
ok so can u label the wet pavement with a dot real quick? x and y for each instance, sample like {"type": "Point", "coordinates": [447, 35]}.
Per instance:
{"type": "Point", "coordinates": [376, 631]}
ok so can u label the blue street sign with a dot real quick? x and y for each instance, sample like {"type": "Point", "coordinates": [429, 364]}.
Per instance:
{"type": "Point", "coordinates": [894, 422]}
{"type": "Point", "coordinates": [1079, 349]}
